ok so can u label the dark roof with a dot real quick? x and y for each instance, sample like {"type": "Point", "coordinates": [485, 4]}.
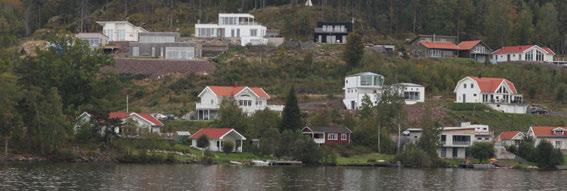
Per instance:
{"type": "Point", "coordinates": [330, 129]}
{"type": "Point", "coordinates": [159, 67]}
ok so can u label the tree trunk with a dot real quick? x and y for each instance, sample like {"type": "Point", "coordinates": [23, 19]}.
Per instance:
{"type": "Point", "coordinates": [379, 146]}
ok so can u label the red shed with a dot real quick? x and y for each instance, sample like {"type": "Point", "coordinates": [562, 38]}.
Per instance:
{"type": "Point", "coordinates": [329, 135]}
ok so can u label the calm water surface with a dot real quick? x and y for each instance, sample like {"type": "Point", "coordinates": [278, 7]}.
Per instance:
{"type": "Point", "coordinates": [34, 176]}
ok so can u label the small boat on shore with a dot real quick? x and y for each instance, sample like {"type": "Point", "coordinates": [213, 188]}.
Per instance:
{"type": "Point", "coordinates": [260, 163]}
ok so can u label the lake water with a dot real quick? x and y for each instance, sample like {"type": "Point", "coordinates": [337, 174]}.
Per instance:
{"type": "Point", "coordinates": [37, 176]}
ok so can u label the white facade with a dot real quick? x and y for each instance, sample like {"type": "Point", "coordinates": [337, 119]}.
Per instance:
{"type": "Point", "coordinates": [215, 144]}
{"type": "Point", "coordinates": [455, 141]}
{"type": "Point", "coordinates": [249, 99]}
{"type": "Point", "coordinates": [412, 93]}
{"type": "Point", "coordinates": [238, 26]}
{"type": "Point", "coordinates": [530, 53]}
{"type": "Point", "coordinates": [555, 135]}
{"type": "Point", "coordinates": [362, 84]}
{"type": "Point", "coordinates": [498, 93]}
{"type": "Point", "coordinates": [120, 30]}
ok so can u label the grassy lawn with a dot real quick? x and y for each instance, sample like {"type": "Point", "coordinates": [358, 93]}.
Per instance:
{"type": "Point", "coordinates": [363, 159]}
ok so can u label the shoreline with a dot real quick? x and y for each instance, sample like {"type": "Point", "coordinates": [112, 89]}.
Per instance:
{"type": "Point", "coordinates": [246, 163]}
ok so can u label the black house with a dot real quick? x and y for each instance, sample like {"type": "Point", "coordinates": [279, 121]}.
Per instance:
{"type": "Point", "coordinates": [332, 32]}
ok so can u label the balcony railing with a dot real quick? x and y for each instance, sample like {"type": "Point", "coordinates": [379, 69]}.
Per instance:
{"type": "Point", "coordinates": [461, 142]}
{"type": "Point", "coordinates": [332, 30]}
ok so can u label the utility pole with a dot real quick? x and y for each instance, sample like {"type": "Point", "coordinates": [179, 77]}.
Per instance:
{"type": "Point", "coordinates": [126, 103]}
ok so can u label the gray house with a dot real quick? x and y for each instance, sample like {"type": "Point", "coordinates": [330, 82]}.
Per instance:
{"type": "Point", "coordinates": [164, 45]}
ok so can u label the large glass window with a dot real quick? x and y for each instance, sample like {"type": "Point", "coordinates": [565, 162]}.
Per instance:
{"type": "Point", "coordinates": [179, 53]}
{"type": "Point", "coordinates": [366, 80]}
{"type": "Point", "coordinates": [461, 139]}
{"type": "Point", "coordinates": [332, 136]}
{"type": "Point", "coordinates": [253, 32]}
{"type": "Point", "coordinates": [539, 56]}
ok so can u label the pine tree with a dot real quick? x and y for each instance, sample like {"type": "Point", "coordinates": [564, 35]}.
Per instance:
{"type": "Point", "coordinates": [354, 50]}
{"type": "Point", "coordinates": [291, 116]}
{"type": "Point", "coordinates": [548, 25]}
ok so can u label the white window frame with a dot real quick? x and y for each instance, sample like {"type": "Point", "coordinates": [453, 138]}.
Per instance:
{"type": "Point", "coordinates": [344, 137]}
{"type": "Point", "coordinates": [332, 136]}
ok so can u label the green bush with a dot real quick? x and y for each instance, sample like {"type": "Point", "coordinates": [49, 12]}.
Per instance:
{"type": "Point", "coordinates": [414, 157]}
{"type": "Point", "coordinates": [203, 141]}
{"type": "Point", "coordinates": [546, 156]}
{"type": "Point", "coordinates": [482, 150]}
{"type": "Point", "coordinates": [227, 146]}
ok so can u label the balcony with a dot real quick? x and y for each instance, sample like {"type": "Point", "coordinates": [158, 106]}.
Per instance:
{"type": "Point", "coordinates": [330, 30]}
{"type": "Point", "coordinates": [461, 143]}
{"type": "Point", "coordinates": [207, 106]}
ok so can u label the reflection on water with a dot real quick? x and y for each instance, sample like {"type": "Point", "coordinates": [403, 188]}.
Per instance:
{"type": "Point", "coordinates": [33, 176]}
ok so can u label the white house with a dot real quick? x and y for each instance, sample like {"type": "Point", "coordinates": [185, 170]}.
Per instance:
{"type": "Point", "coordinates": [527, 53]}
{"type": "Point", "coordinates": [412, 93]}
{"type": "Point", "coordinates": [237, 26]}
{"type": "Point", "coordinates": [249, 99]}
{"type": "Point", "coordinates": [120, 30]}
{"type": "Point", "coordinates": [217, 137]}
{"type": "Point", "coordinates": [498, 93]}
{"type": "Point", "coordinates": [509, 138]}
{"type": "Point", "coordinates": [555, 135]}
{"type": "Point", "coordinates": [143, 121]}
{"type": "Point", "coordinates": [95, 40]}
{"type": "Point", "coordinates": [362, 84]}
{"type": "Point", "coordinates": [455, 141]}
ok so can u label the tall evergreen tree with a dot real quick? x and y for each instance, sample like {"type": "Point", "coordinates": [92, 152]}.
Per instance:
{"type": "Point", "coordinates": [291, 116]}
{"type": "Point", "coordinates": [354, 50]}
{"type": "Point", "coordinates": [524, 28]}
{"type": "Point", "coordinates": [548, 26]}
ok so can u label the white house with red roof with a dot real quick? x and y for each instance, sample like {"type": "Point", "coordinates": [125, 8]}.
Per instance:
{"type": "Point", "coordinates": [144, 121]}
{"type": "Point", "coordinates": [509, 138]}
{"type": "Point", "coordinates": [525, 53]}
{"type": "Point", "coordinates": [249, 99]}
{"type": "Point", "coordinates": [217, 137]}
{"type": "Point", "coordinates": [556, 135]}
{"type": "Point", "coordinates": [498, 93]}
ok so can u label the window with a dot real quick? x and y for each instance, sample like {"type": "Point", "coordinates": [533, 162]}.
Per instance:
{"type": "Point", "coordinates": [529, 55]}
{"type": "Point", "coordinates": [443, 152]}
{"type": "Point", "coordinates": [253, 32]}
{"type": "Point", "coordinates": [212, 101]}
{"type": "Point", "coordinates": [180, 53]}
{"type": "Point", "coordinates": [343, 137]}
{"type": "Point", "coordinates": [332, 136]}
{"type": "Point", "coordinates": [135, 51]}
{"type": "Point", "coordinates": [465, 86]}
{"type": "Point", "coordinates": [539, 56]}
{"type": "Point", "coordinates": [206, 32]}
{"type": "Point", "coordinates": [121, 34]}
{"type": "Point", "coordinates": [479, 138]}
{"type": "Point", "coordinates": [558, 144]}
{"type": "Point", "coordinates": [245, 102]}
{"type": "Point", "coordinates": [472, 85]}
{"type": "Point", "coordinates": [366, 80]}
{"type": "Point", "coordinates": [461, 139]}
{"type": "Point", "coordinates": [157, 39]}
{"type": "Point", "coordinates": [258, 102]}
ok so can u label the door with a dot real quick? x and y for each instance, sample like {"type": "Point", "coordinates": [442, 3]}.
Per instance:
{"type": "Point", "coordinates": [455, 152]}
{"type": "Point", "coordinates": [352, 104]}
{"type": "Point", "coordinates": [464, 98]}
{"type": "Point", "coordinates": [508, 58]}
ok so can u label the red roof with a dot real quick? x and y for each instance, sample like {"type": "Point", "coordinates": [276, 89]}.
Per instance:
{"type": "Point", "coordinates": [213, 133]}
{"type": "Point", "coordinates": [467, 45]}
{"type": "Point", "coordinates": [228, 91]}
{"type": "Point", "coordinates": [124, 115]}
{"type": "Point", "coordinates": [547, 131]}
{"type": "Point", "coordinates": [492, 84]}
{"type": "Point", "coordinates": [151, 119]}
{"type": "Point", "coordinates": [548, 50]}
{"type": "Point", "coordinates": [512, 49]}
{"type": "Point", "coordinates": [440, 45]}
{"type": "Point", "coordinates": [507, 135]}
